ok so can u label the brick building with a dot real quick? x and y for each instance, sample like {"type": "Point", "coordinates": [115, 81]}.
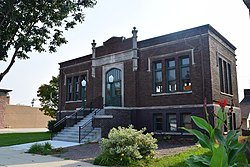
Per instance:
{"type": "Point", "coordinates": [20, 116]}
{"type": "Point", "coordinates": [157, 83]}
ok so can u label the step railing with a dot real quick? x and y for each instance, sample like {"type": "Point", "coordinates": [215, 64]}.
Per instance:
{"type": "Point", "coordinates": [64, 122]}
{"type": "Point", "coordinates": [87, 128]}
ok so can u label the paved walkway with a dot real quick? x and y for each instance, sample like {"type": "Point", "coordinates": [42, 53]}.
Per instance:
{"type": "Point", "coordinates": [15, 156]}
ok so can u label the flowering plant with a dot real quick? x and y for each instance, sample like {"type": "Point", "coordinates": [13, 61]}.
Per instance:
{"type": "Point", "coordinates": [125, 145]}
{"type": "Point", "coordinates": [225, 151]}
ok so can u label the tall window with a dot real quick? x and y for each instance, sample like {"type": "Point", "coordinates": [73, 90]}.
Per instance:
{"type": "Point", "coordinates": [225, 76]}
{"type": "Point", "coordinates": [158, 77]}
{"type": "Point", "coordinates": [225, 72]}
{"type": "Point", "coordinates": [171, 78]}
{"type": "Point", "coordinates": [221, 75]}
{"type": "Point", "coordinates": [171, 122]}
{"type": "Point", "coordinates": [76, 88]}
{"type": "Point", "coordinates": [69, 89]}
{"type": "Point", "coordinates": [157, 122]}
{"type": "Point", "coordinates": [175, 72]}
{"type": "Point", "coordinates": [230, 79]}
{"type": "Point", "coordinates": [185, 74]}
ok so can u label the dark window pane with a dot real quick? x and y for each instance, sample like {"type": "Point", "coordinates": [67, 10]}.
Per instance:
{"type": "Point", "coordinates": [186, 121]}
{"type": "Point", "coordinates": [69, 89]}
{"type": "Point", "coordinates": [171, 63]}
{"type": "Point", "coordinates": [157, 122]}
{"type": "Point", "coordinates": [221, 75]}
{"type": "Point", "coordinates": [225, 76]}
{"type": "Point", "coordinates": [185, 61]}
{"type": "Point", "coordinates": [171, 74]}
{"type": "Point", "coordinates": [230, 79]}
{"type": "Point", "coordinates": [76, 87]}
{"type": "Point", "coordinates": [185, 73]}
{"type": "Point", "coordinates": [158, 76]}
{"type": "Point", "coordinates": [158, 66]}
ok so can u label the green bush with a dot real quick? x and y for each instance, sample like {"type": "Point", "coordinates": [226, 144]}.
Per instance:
{"type": "Point", "coordinates": [43, 149]}
{"type": "Point", "coordinates": [124, 146]}
{"type": "Point", "coordinates": [51, 124]}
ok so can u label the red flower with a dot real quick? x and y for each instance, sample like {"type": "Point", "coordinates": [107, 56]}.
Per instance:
{"type": "Point", "coordinates": [223, 104]}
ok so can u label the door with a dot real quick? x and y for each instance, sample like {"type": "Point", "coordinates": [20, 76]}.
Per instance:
{"type": "Point", "coordinates": [113, 87]}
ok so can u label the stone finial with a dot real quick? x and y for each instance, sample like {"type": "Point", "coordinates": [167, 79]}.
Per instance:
{"type": "Point", "coordinates": [134, 32]}
{"type": "Point", "coordinates": [93, 44]}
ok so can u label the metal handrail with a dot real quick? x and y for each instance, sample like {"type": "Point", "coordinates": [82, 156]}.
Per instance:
{"type": "Point", "coordinates": [62, 121]}
{"type": "Point", "coordinates": [96, 111]}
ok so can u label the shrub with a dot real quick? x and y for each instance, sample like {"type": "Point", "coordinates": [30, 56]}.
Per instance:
{"type": "Point", "coordinates": [43, 149]}
{"type": "Point", "coordinates": [51, 124]}
{"type": "Point", "coordinates": [225, 151]}
{"type": "Point", "coordinates": [124, 146]}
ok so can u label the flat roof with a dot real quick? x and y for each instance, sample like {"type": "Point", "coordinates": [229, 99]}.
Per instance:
{"type": "Point", "coordinates": [5, 90]}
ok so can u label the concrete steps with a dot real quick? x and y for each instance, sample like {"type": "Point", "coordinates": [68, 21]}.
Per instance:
{"type": "Point", "coordinates": [88, 133]}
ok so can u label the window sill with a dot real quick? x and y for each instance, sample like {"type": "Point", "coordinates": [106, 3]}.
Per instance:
{"type": "Point", "coordinates": [174, 93]}
{"type": "Point", "coordinates": [77, 101]}
{"type": "Point", "coordinates": [226, 94]}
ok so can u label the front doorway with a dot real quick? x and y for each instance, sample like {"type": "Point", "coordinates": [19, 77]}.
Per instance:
{"type": "Point", "coordinates": [113, 87]}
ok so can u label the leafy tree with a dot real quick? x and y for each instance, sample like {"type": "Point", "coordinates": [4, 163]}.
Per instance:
{"type": "Point", "coordinates": [48, 95]}
{"type": "Point", "coordinates": [36, 25]}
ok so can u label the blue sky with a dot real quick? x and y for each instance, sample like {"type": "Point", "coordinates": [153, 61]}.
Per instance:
{"type": "Point", "coordinates": [117, 18]}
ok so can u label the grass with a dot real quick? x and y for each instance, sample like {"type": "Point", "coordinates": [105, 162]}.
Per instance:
{"type": "Point", "coordinates": [177, 160]}
{"type": "Point", "coordinates": [45, 149]}
{"type": "Point", "coordinates": [9, 139]}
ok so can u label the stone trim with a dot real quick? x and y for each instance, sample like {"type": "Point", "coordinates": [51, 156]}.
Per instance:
{"type": "Point", "coordinates": [212, 36]}
{"type": "Point", "coordinates": [166, 107]}
{"type": "Point", "coordinates": [113, 58]}
{"type": "Point", "coordinates": [78, 64]}
{"type": "Point", "coordinates": [173, 42]}
{"type": "Point", "coordinates": [169, 94]}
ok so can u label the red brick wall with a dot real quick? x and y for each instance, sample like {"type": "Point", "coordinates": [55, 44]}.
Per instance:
{"type": "Point", "coordinates": [4, 100]}
{"type": "Point", "coordinates": [138, 84]}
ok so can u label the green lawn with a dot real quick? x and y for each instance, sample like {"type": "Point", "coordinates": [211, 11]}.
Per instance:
{"type": "Point", "coordinates": [177, 160]}
{"type": "Point", "coordinates": [9, 139]}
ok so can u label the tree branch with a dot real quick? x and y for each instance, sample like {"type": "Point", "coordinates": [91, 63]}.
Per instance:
{"type": "Point", "coordinates": [9, 66]}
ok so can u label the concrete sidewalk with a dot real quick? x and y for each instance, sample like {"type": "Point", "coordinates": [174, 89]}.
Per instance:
{"type": "Point", "coordinates": [22, 130]}
{"type": "Point", "coordinates": [15, 156]}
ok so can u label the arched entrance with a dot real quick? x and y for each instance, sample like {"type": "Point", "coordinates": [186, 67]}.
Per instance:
{"type": "Point", "coordinates": [113, 88]}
